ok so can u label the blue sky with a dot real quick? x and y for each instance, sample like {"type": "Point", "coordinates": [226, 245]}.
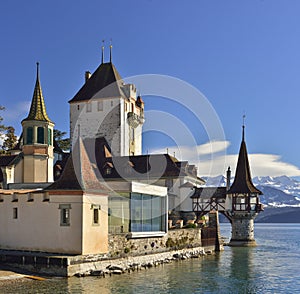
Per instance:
{"type": "Point", "coordinates": [244, 56]}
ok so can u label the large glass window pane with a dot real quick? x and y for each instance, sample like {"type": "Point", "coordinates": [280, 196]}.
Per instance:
{"type": "Point", "coordinates": [156, 213]}
{"type": "Point", "coordinates": [118, 218]}
{"type": "Point", "coordinates": [136, 212]}
{"type": "Point", "coordinates": [147, 217]}
{"type": "Point", "coordinates": [147, 213]}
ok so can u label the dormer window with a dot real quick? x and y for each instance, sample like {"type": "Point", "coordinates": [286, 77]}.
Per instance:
{"type": "Point", "coordinates": [89, 107]}
{"type": "Point", "coordinates": [100, 105]}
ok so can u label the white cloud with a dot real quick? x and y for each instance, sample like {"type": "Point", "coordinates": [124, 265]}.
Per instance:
{"type": "Point", "coordinates": [13, 115]}
{"type": "Point", "coordinates": [212, 147]}
{"type": "Point", "coordinates": [260, 165]}
{"type": "Point", "coordinates": [195, 153]}
{"type": "Point", "coordinates": [212, 160]}
{"type": "Point", "coordinates": [19, 110]}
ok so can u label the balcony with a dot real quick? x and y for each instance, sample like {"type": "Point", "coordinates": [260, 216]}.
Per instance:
{"type": "Point", "coordinates": [134, 120]}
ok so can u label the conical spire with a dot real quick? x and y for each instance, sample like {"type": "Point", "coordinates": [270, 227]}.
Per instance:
{"type": "Point", "coordinates": [79, 173]}
{"type": "Point", "coordinates": [242, 180]}
{"type": "Point", "coordinates": [37, 109]}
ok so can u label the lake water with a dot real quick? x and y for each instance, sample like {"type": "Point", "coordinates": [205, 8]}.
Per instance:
{"type": "Point", "coordinates": [271, 267]}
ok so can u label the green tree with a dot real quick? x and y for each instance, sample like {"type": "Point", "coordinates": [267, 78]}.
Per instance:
{"type": "Point", "coordinates": [10, 140]}
{"type": "Point", "coordinates": [2, 126]}
{"type": "Point", "coordinates": [63, 143]}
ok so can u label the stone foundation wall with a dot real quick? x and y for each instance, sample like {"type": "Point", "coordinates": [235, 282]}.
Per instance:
{"type": "Point", "coordinates": [120, 245]}
{"type": "Point", "coordinates": [132, 263]}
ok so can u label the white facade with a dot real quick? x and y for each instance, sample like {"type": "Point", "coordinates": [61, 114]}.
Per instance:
{"type": "Point", "coordinates": [109, 118]}
{"type": "Point", "coordinates": [35, 222]}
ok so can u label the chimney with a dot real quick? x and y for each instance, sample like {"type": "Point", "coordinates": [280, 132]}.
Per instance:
{"type": "Point", "coordinates": [87, 75]}
{"type": "Point", "coordinates": [228, 177]}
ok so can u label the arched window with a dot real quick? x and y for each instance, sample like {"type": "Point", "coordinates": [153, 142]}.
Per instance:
{"type": "Point", "coordinates": [29, 137]}
{"type": "Point", "coordinates": [40, 135]}
{"type": "Point", "coordinates": [49, 137]}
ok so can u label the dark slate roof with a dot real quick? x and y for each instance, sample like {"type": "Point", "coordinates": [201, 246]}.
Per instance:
{"type": "Point", "coordinates": [141, 167]}
{"type": "Point", "coordinates": [104, 82]}
{"type": "Point", "coordinates": [154, 166]}
{"type": "Point", "coordinates": [6, 160]}
{"type": "Point", "coordinates": [242, 181]}
{"type": "Point", "coordinates": [209, 192]}
{"type": "Point", "coordinates": [37, 109]}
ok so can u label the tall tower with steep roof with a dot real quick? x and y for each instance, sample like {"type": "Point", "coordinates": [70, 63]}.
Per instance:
{"type": "Point", "coordinates": [37, 140]}
{"type": "Point", "coordinates": [107, 107]}
{"type": "Point", "coordinates": [242, 201]}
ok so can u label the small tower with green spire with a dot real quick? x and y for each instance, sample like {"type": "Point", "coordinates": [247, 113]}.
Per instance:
{"type": "Point", "coordinates": [37, 140]}
{"type": "Point", "coordinates": [242, 200]}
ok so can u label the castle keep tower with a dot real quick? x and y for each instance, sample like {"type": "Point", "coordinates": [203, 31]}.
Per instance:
{"type": "Point", "coordinates": [37, 140]}
{"type": "Point", "coordinates": [242, 201]}
{"type": "Point", "coordinates": [107, 107]}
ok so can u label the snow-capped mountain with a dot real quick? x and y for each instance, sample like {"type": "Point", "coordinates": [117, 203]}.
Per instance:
{"type": "Point", "coordinates": [281, 191]}
{"type": "Point", "coordinates": [284, 183]}
{"type": "Point", "coordinates": [218, 181]}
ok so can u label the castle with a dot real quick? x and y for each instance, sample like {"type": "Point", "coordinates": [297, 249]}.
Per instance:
{"type": "Point", "coordinates": [71, 204]}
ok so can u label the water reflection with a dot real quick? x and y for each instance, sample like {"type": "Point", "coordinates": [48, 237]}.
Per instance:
{"type": "Point", "coordinates": [242, 269]}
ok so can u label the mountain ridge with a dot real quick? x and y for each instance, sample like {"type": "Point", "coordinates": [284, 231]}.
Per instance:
{"type": "Point", "coordinates": [281, 197]}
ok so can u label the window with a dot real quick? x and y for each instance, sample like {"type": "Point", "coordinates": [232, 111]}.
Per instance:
{"type": "Point", "coordinates": [107, 170]}
{"type": "Point", "coordinates": [132, 134]}
{"type": "Point", "coordinates": [49, 137]}
{"type": "Point", "coordinates": [15, 212]}
{"type": "Point", "coordinates": [29, 135]}
{"type": "Point", "coordinates": [125, 107]}
{"type": "Point", "coordinates": [169, 184]}
{"type": "Point", "coordinates": [89, 107]}
{"type": "Point", "coordinates": [65, 214]}
{"type": "Point", "coordinates": [40, 135]}
{"type": "Point", "coordinates": [96, 216]}
{"type": "Point", "coordinates": [147, 213]}
{"type": "Point", "coordinates": [30, 197]}
{"type": "Point", "coordinates": [100, 105]}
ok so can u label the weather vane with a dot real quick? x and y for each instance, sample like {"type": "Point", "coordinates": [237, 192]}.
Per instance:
{"type": "Point", "coordinates": [110, 50]}
{"type": "Point", "coordinates": [102, 47]}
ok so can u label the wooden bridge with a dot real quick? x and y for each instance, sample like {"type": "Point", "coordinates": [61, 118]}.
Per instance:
{"type": "Point", "coordinates": [209, 199]}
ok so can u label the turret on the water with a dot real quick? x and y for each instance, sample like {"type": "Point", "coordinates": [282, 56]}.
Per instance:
{"type": "Point", "coordinates": [242, 201]}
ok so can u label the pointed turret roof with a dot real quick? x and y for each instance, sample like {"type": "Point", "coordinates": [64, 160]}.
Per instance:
{"type": "Point", "coordinates": [79, 173]}
{"type": "Point", "coordinates": [106, 79]}
{"type": "Point", "coordinates": [242, 180]}
{"type": "Point", "coordinates": [37, 109]}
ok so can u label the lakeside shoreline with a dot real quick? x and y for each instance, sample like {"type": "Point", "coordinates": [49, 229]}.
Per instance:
{"type": "Point", "coordinates": [11, 274]}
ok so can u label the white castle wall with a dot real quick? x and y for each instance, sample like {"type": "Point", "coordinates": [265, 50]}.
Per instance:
{"type": "Point", "coordinates": [105, 118]}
